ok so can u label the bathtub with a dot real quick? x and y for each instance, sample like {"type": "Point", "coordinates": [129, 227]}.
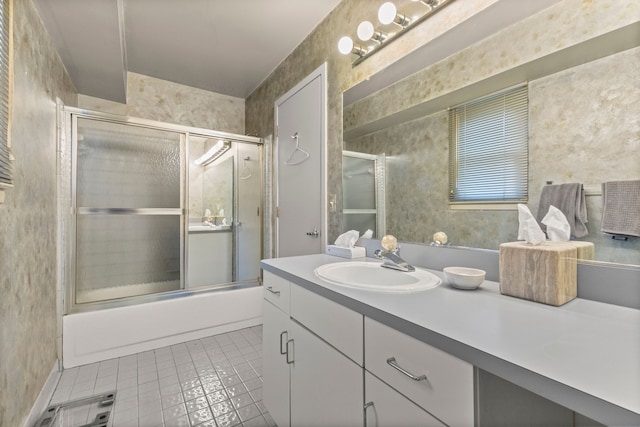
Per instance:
{"type": "Point", "coordinates": [115, 332]}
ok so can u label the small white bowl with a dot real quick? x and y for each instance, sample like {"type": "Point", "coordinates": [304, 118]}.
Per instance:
{"type": "Point", "coordinates": [463, 277]}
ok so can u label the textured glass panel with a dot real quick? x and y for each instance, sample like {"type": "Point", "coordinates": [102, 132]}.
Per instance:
{"type": "Point", "coordinates": [359, 183]}
{"type": "Point", "coordinates": [361, 222]}
{"type": "Point", "coordinates": [124, 166]}
{"type": "Point", "coordinates": [126, 255]}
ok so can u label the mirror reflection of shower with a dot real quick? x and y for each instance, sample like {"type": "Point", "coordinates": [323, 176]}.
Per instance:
{"type": "Point", "coordinates": [363, 190]}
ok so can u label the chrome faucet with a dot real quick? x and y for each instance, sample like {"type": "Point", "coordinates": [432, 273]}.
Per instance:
{"type": "Point", "coordinates": [391, 256]}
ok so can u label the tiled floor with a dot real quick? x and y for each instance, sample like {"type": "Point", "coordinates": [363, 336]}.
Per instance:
{"type": "Point", "coordinates": [215, 381]}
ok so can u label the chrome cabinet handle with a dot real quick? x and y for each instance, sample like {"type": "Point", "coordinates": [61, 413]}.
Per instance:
{"type": "Point", "coordinates": [392, 362]}
{"type": "Point", "coordinates": [289, 362]}
{"type": "Point", "coordinates": [283, 352]}
{"type": "Point", "coordinates": [314, 233]}
{"type": "Point", "coordinates": [270, 289]}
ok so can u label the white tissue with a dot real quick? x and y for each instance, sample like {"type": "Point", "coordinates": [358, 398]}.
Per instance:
{"type": "Point", "coordinates": [365, 236]}
{"type": "Point", "coordinates": [348, 239]}
{"type": "Point", "coordinates": [528, 228]}
{"type": "Point", "coordinates": [558, 228]}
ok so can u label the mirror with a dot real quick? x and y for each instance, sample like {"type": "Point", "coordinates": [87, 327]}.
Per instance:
{"type": "Point", "coordinates": [583, 128]}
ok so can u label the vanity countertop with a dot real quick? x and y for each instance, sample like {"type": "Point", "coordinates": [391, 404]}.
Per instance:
{"type": "Point", "coordinates": [584, 355]}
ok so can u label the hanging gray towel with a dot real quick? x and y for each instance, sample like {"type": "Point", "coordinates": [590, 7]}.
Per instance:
{"type": "Point", "coordinates": [569, 198]}
{"type": "Point", "coordinates": [621, 207]}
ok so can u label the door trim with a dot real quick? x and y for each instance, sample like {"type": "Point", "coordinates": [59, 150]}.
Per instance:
{"type": "Point", "coordinates": [318, 73]}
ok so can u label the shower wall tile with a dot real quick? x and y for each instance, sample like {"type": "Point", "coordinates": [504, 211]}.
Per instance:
{"type": "Point", "coordinates": [28, 219]}
{"type": "Point", "coordinates": [165, 101]}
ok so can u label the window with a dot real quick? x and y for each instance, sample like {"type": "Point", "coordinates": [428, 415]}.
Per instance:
{"type": "Point", "coordinates": [489, 149]}
{"type": "Point", "coordinates": [5, 155]}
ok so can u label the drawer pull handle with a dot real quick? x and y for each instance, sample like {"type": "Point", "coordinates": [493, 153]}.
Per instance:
{"type": "Point", "coordinates": [283, 351]}
{"type": "Point", "coordinates": [392, 362]}
{"type": "Point", "coordinates": [270, 289]}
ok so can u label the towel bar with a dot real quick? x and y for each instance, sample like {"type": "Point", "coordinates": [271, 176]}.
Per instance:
{"type": "Point", "coordinates": [617, 237]}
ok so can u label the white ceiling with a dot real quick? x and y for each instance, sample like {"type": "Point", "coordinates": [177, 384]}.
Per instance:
{"type": "Point", "coordinates": [224, 46]}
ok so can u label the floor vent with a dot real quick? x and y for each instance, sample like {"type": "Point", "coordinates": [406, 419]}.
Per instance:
{"type": "Point", "coordinates": [89, 412]}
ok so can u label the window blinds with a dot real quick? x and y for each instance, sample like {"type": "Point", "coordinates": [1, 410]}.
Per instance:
{"type": "Point", "coordinates": [5, 157]}
{"type": "Point", "coordinates": [489, 149]}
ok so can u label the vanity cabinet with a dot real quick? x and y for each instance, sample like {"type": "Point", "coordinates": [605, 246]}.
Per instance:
{"type": "Point", "coordinates": [386, 407]}
{"type": "Point", "coordinates": [326, 386]}
{"type": "Point", "coordinates": [308, 378]}
{"type": "Point", "coordinates": [275, 368]}
{"type": "Point", "coordinates": [436, 381]}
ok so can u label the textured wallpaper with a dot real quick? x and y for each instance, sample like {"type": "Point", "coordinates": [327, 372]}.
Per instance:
{"type": "Point", "coordinates": [28, 324]}
{"type": "Point", "coordinates": [565, 24]}
{"type": "Point", "coordinates": [321, 46]}
{"type": "Point", "coordinates": [583, 128]}
{"type": "Point", "coordinates": [165, 101]}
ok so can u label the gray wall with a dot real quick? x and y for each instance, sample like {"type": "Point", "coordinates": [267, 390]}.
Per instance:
{"type": "Point", "coordinates": [28, 219]}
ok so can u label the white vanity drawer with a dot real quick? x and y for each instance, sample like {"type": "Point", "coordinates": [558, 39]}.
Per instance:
{"type": "Point", "coordinates": [338, 325]}
{"type": "Point", "coordinates": [386, 407]}
{"type": "Point", "coordinates": [276, 290]}
{"type": "Point", "coordinates": [447, 390]}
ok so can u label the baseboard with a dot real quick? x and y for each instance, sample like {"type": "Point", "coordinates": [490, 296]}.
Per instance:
{"type": "Point", "coordinates": [46, 393]}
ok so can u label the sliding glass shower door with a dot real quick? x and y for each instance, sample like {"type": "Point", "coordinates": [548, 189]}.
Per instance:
{"type": "Point", "coordinates": [129, 207]}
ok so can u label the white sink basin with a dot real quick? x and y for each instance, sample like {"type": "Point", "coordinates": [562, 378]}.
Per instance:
{"type": "Point", "coordinates": [371, 276]}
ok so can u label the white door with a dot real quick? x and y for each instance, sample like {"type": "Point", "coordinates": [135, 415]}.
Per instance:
{"type": "Point", "coordinates": [300, 170]}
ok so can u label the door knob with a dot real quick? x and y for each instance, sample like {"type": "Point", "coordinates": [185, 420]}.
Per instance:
{"type": "Point", "coordinates": [314, 233]}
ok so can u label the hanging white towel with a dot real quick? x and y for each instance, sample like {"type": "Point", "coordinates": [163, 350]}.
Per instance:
{"type": "Point", "coordinates": [621, 207]}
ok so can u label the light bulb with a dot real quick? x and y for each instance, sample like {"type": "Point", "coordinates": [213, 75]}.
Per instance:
{"type": "Point", "coordinates": [365, 31]}
{"type": "Point", "coordinates": [345, 45]}
{"type": "Point", "coordinates": [387, 13]}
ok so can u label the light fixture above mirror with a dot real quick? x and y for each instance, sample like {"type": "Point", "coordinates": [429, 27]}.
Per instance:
{"type": "Point", "coordinates": [388, 15]}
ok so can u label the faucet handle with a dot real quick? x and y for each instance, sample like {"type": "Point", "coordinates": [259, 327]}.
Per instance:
{"type": "Point", "coordinates": [389, 243]}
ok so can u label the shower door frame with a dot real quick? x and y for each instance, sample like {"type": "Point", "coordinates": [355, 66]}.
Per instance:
{"type": "Point", "coordinates": [379, 192]}
{"type": "Point", "coordinates": [67, 145]}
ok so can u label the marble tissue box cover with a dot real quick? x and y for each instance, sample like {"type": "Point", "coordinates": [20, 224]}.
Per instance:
{"type": "Point", "coordinates": [545, 273]}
